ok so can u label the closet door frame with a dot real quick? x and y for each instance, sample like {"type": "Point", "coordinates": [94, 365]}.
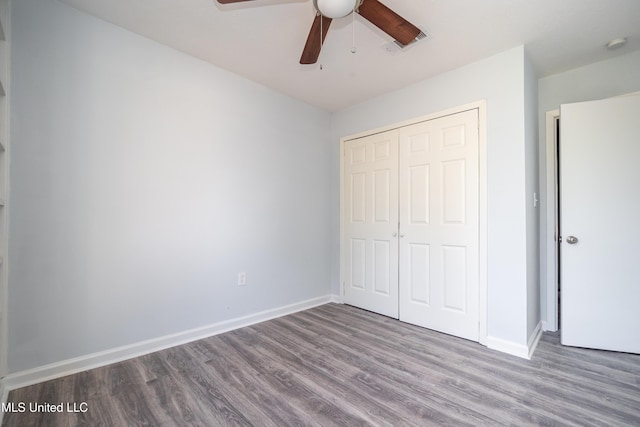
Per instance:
{"type": "Point", "coordinates": [482, 183]}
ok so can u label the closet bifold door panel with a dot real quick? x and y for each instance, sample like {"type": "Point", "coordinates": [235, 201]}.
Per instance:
{"type": "Point", "coordinates": [439, 224]}
{"type": "Point", "coordinates": [411, 223]}
{"type": "Point", "coordinates": [370, 244]}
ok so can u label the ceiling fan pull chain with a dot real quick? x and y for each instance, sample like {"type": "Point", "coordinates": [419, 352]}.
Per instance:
{"type": "Point", "coordinates": [353, 29]}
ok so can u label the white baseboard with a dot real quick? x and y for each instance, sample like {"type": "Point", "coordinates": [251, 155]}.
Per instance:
{"type": "Point", "coordinates": [534, 339]}
{"type": "Point", "coordinates": [508, 347]}
{"type": "Point", "coordinates": [95, 360]}
{"type": "Point", "coordinates": [515, 349]}
{"type": "Point", "coordinates": [546, 328]}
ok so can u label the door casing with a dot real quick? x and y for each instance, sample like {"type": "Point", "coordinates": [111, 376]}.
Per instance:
{"type": "Point", "coordinates": [550, 322]}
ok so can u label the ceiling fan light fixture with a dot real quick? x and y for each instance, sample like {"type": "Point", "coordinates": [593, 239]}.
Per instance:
{"type": "Point", "coordinates": [335, 8]}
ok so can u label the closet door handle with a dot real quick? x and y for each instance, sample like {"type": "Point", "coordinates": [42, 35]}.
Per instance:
{"type": "Point", "coordinates": [401, 236]}
{"type": "Point", "coordinates": [395, 234]}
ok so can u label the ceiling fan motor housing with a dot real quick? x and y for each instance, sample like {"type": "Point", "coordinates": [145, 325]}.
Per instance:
{"type": "Point", "coordinates": [336, 8]}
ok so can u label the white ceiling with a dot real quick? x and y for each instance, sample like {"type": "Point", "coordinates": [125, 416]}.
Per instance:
{"type": "Point", "coordinates": [262, 40]}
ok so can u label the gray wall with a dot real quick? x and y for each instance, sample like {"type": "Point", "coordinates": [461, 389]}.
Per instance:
{"type": "Point", "coordinates": [613, 77]}
{"type": "Point", "coordinates": [143, 180]}
{"type": "Point", "coordinates": [532, 186]}
{"type": "Point", "coordinates": [500, 80]}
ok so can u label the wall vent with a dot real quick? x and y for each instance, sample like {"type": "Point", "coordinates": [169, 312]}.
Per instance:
{"type": "Point", "coordinates": [395, 46]}
{"type": "Point", "coordinates": [419, 37]}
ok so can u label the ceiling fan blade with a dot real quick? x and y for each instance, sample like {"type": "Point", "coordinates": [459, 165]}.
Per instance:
{"type": "Point", "coordinates": [313, 46]}
{"type": "Point", "coordinates": [388, 21]}
{"type": "Point", "coordinates": [231, 1]}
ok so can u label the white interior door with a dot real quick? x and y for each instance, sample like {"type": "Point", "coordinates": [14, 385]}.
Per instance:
{"type": "Point", "coordinates": [600, 210]}
{"type": "Point", "coordinates": [371, 223]}
{"type": "Point", "coordinates": [439, 224]}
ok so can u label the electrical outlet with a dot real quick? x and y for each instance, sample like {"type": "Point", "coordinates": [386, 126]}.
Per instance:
{"type": "Point", "coordinates": [242, 278]}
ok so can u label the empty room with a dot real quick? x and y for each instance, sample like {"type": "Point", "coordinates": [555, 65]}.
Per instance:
{"type": "Point", "coordinates": [319, 212]}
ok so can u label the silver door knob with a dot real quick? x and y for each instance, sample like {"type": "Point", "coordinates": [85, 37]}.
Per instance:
{"type": "Point", "coordinates": [572, 240]}
{"type": "Point", "coordinates": [395, 234]}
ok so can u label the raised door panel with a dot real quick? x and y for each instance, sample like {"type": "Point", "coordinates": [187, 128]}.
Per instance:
{"type": "Point", "coordinates": [455, 278]}
{"type": "Point", "coordinates": [454, 192]}
{"type": "Point", "coordinates": [418, 193]}
{"type": "Point", "coordinates": [381, 196]}
{"type": "Point", "coordinates": [418, 274]}
{"type": "Point", "coordinates": [357, 191]}
{"type": "Point", "coordinates": [382, 267]}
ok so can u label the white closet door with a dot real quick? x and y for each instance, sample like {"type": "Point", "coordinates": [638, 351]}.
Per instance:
{"type": "Point", "coordinates": [439, 224]}
{"type": "Point", "coordinates": [371, 223]}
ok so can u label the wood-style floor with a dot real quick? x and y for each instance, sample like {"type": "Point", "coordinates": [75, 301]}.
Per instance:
{"type": "Point", "coordinates": [338, 365]}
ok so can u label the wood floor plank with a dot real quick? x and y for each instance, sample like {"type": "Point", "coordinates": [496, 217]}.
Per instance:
{"type": "Point", "coordinates": [330, 385]}
{"type": "Point", "coordinates": [538, 378]}
{"type": "Point", "coordinates": [374, 366]}
{"type": "Point", "coordinates": [338, 365]}
{"type": "Point", "coordinates": [329, 375]}
{"type": "Point", "coordinates": [446, 374]}
{"type": "Point", "coordinates": [259, 406]}
{"type": "Point", "coordinates": [283, 381]}
{"type": "Point", "coordinates": [252, 382]}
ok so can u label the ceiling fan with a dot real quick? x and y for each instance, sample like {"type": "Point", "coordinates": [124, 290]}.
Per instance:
{"type": "Point", "coordinates": [375, 12]}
